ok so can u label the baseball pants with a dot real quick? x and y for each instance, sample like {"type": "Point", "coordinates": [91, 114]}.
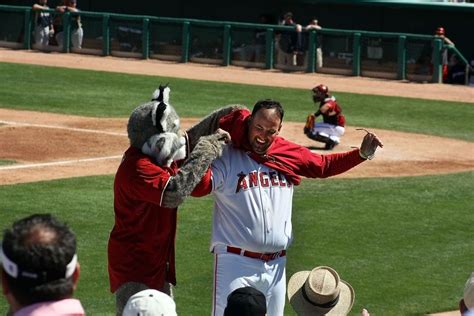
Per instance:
{"type": "Point", "coordinates": [333, 131]}
{"type": "Point", "coordinates": [232, 271]}
{"type": "Point", "coordinates": [42, 36]}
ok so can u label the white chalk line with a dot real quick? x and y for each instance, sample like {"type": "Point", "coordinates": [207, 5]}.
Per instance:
{"type": "Point", "coordinates": [64, 162]}
{"type": "Point", "coordinates": [58, 163]}
{"type": "Point", "coordinates": [74, 129]}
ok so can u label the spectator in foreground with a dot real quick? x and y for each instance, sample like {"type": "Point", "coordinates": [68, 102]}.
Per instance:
{"type": "Point", "coordinates": [150, 303]}
{"type": "Point", "coordinates": [466, 305]}
{"type": "Point", "coordinates": [246, 301]}
{"type": "Point", "coordinates": [40, 268]}
{"type": "Point", "coordinates": [320, 292]}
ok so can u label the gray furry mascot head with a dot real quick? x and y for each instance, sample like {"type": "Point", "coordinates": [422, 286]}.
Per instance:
{"type": "Point", "coordinates": [153, 127]}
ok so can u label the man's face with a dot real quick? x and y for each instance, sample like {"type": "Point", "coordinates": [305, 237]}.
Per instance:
{"type": "Point", "coordinates": [318, 96]}
{"type": "Point", "coordinates": [263, 128]}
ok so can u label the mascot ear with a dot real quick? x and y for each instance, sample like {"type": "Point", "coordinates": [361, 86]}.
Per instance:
{"type": "Point", "coordinates": [157, 114]}
{"type": "Point", "coordinates": [160, 108]}
{"type": "Point", "coordinates": [162, 94]}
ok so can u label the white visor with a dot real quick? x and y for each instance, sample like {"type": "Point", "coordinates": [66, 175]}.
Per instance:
{"type": "Point", "coordinates": [11, 268]}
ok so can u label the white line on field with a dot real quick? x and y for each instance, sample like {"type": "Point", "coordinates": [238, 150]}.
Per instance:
{"type": "Point", "coordinates": [64, 128]}
{"type": "Point", "coordinates": [57, 163]}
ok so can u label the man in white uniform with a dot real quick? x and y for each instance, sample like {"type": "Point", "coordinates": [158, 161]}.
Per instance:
{"type": "Point", "coordinates": [253, 185]}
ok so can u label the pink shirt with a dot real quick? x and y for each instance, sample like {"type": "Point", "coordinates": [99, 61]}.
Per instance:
{"type": "Point", "coordinates": [66, 307]}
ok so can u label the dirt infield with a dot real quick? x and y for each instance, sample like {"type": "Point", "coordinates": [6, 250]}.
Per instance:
{"type": "Point", "coordinates": [94, 146]}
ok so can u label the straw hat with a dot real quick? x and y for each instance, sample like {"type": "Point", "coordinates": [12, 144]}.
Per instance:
{"type": "Point", "coordinates": [320, 292]}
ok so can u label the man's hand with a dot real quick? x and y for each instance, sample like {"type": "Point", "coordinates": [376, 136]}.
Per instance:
{"type": "Point", "coordinates": [369, 145]}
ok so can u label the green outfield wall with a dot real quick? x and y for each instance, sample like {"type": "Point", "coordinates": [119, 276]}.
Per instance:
{"type": "Point", "coordinates": [420, 17]}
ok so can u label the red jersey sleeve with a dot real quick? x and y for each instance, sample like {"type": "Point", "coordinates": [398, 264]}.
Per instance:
{"type": "Point", "coordinates": [205, 186]}
{"type": "Point", "coordinates": [323, 166]}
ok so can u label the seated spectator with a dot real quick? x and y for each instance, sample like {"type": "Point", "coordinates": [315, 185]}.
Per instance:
{"type": "Point", "coordinates": [43, 23]}
{"type": "Point", "coordinates": [150, 303]}
{"type": "Point", "coordinates": [255, 52]}
{"type": "Point", "coordinates": [423, 65]}
{"type": "Point", "coordinates": [466, 305]}
{"type": "Point", "coordinates": [260, 38]}
{"type": "Point", "coordinates": [77, 33]}
{"type": "Point", "coordinates": [40, 268]}
{"type": "Point", "coordinates": [471, 70]}
{"type": "Point", "coordinates": [320, 292]}
{"type": "Point", "coordinates": [246, 301]}
{"type": "Point", "coordinates": [456, 70]}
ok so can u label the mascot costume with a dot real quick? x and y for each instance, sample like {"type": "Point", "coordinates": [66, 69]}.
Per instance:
{"type": "Point", "coordinates": [158, 171]}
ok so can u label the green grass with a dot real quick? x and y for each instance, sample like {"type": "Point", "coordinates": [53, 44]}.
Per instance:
{"type": "Point", "coordinates": [404, 244]}
{"type": "Point", "coordinates": [5, 162]}
{"type": "Point", "coordinates": [103, 94]}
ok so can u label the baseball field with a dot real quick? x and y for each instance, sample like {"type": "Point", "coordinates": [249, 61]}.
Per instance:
{"type": "Point", "coordinates": [397, 228]}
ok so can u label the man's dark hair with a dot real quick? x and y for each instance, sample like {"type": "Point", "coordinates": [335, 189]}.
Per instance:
{"type": "Point", "coordinates": [268, 104]}
{"type": "Point", "coordinates": [41, 247]}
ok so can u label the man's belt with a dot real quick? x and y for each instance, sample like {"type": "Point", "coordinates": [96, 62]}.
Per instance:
{"type": "Point", "coordinates": [256, 255]}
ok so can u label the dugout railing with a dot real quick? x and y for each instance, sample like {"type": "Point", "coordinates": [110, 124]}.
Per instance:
{"type": "Point", "coordinates": [414, 57]}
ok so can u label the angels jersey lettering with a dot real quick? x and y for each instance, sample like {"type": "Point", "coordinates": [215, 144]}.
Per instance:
{"type": "Point", "coordinates": [264, 179]}
{"type": "Point", "coordinates": [252, 204]}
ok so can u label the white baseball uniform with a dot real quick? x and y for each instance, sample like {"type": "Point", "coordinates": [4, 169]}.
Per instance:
{"type": "Point", "coordinates": [252, 211]}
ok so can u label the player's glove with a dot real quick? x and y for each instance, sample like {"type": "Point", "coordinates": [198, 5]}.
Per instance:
{"type": "Point", "coordinates": [369, 145]}
{"type": "Point", "coordinates": [309, 124]}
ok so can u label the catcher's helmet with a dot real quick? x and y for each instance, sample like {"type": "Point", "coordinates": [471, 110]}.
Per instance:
{"type": "Point", "coordinates": [320, 92]}
{"type": "Point", "coordinates": [440, 31]}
